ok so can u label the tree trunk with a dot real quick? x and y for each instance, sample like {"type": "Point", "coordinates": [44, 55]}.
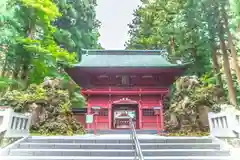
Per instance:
{"type": "Point", "coordinates": [227, 71]}
{"type": "Point", "coordinates": [212, 41]}
{"type": "Point", "coordinates": [4, 67]}
{"type": "Point", "coordinates": [172, 44]}
{"type": "Point", "coordinates": [17, 68]}
{"type": "Point", "coordinates": [194, 55]}
{"type": "Point", "coordinates": [27, 60]}
{"type": "Point", "coordinates": [24, 75]}
{"type": "Point", "coordinates": [231, 46]}
{"type": "Point", "coordinates": [3, 72]}
{"type": "Point", "coordinates": [216, 67]}
{"type": "Point", "coordinates": [16, 71]}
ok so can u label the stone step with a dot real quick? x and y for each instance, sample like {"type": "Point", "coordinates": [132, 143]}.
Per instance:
{"type": "Point", "coordinates": [106, 140]}
{"type": "Point", "coordinates": [90, 141]}
{"type": "Point", "coordinates": [117, 146]}
{"type": "Point", "coordinates": [115, 153]}
{"type": "Point", "coordinates": [185, 152]}
{"type": "Point", "coordinates": [110, 158]}
{"type": "Point", "coordinates": [124, 131]}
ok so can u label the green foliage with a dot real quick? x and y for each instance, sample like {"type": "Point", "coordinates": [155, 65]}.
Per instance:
{"type": "Point", "coordinates": [191, 102]}
{"type": "Point", "coordinates": [77, 100]}
{"type": "Point", "coordinates": [208, 79]}
{"type": "Point", "coordinates": [189, 133]}
{"type": "Point", "coordinates": [179, 26]}
{"type": "Point", "coordinates": [45, 10]}
{"type": "Point", "coordinates": [30, 38]}
{"type": "Point", "coordinates": [6, 82]}
{"type": "Point", "coordinates": [235, 8]}
{"type": "Point", "coordinates": [38, 35]}
{"type": "Point", "coordinates": [19, 100]}
{"type": "Point", "coordinates": [78, 26]}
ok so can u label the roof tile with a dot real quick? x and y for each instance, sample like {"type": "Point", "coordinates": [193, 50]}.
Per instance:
{"type": "Point", "coordinates": [124, 58]}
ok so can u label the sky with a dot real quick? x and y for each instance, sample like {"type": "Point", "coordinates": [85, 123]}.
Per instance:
{"type": "Point", "coordinates": [115, 15]}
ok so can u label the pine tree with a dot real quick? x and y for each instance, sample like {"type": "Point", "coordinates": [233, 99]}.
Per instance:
{"type": "Point", "coordinates": [78, 26]}
{"type": "Point", "coordinates": [175, 26]}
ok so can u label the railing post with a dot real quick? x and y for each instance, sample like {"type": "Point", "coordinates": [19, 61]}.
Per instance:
{"type": "Point", "coordinates": [7, 119]}
{"type": "Point", "coordinates": [210, 122]}
{"type": "Point", "coordinates": [231, 121]}
{"type": "Point", "coordinates": [28, 122]}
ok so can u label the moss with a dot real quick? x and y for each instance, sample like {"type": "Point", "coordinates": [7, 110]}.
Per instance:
{"type": "Point", "coordinates": [190, 98]}
{"type": "Point", "coordinates": [189, 134]}
{"type": "Point", "coordinates": [50, 104]}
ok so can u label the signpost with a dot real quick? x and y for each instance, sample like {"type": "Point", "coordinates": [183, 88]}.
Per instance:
{"type": "Point", "coordinates": [96, 110]}
{"type": "Point", "coordinates": [92, 118]}
{"type": "Point", "coordinates": [89, 118]}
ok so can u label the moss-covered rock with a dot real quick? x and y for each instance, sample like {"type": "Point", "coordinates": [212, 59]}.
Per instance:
{"type": "Point", "coordinates": [190, 104]}
{"type": "Point", "coordinates": [50, 105]}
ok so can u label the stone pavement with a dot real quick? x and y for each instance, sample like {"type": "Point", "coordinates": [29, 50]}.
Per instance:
{"type": "Point", "coordinates": [235, 153]}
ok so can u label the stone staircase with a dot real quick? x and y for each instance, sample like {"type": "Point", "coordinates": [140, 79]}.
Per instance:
{"type": "Point", "coordinates": [114, 147]}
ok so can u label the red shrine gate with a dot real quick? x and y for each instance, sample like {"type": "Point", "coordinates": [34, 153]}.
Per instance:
{"type": "Point", "coordinates": [122, 82]}
{"type": "Point", "coordinates": [114, 108]}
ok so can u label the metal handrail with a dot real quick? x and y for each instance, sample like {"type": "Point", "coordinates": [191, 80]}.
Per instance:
{"type": "Point", "coordinates": [135, 142]}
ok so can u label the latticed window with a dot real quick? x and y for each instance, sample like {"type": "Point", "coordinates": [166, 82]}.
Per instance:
{"type": "Point", "coordinates": [103, 112]}
{"type": "Point", "coordinates": [148, 112]}
{"type": "Point", "coordinates": [125, 80]}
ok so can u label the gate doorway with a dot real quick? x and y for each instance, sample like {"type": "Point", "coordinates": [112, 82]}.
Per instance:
{"type": "Point", "coordinates": [120, 118]}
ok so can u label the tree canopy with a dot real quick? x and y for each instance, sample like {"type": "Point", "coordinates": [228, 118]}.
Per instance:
{"type": "Point", "coordinates": [40, 38]}
{"type": "Point", "coordinates": [203, 31]}
{"type": "Point", "coordinates": [78, 26]}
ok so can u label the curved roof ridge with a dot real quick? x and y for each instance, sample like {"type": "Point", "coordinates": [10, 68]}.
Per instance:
{"type": "Point", "coordinates": [123, 52]}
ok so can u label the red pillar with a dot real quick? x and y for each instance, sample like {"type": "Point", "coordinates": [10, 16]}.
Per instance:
{"type": "Point", "coordinates": [95, 123]}
{"type": "Point", "coordinates": [110, 112]}
{"type": "Point", "coordinates": [162, 119]}
{"type": "Point", "coordinates": [109, 117]}
{"type": "Point", "coordinates": [158, 124]}
{"type": "Point", "coordinates": [161, 116]}
{"type": "Point", "coordinates": [140, 116]}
